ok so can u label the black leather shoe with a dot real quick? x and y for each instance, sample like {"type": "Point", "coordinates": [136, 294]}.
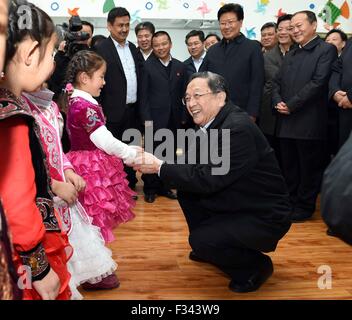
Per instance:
{"type": "Point", "coordinates": [254, 282]}
{"type": "Point", "coordinates": [150, 198]}
{"type": "Point", "coordinates": [168, 194]}
{"type": "Point", "coordinates": [194, 257]}
{"type": "Point", "coordinates": [297, 217]}
{"type": "Point", "coordinates": [331, 233]}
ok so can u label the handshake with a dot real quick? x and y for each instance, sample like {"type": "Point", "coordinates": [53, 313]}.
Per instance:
{"type": "Point", "coordinates": [144, 162]}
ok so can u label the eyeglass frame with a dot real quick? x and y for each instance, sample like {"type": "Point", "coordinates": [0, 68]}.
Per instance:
{"type": "Point", "coordinates": [229, 23]}
{"type": "Point", "coordinates": [196, 97]}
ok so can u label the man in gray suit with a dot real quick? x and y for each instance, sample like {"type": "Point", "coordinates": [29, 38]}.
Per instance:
{"type": "Point", "coordinates": [272, 63]}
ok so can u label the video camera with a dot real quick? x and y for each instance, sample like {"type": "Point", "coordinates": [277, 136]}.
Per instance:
{"type": "Point", "coordinates": [73, 36]}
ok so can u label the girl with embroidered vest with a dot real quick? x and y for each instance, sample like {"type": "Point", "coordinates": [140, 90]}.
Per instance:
{"type": "Point", "coordinates": [41, 247]}
{"type": "Point", "coordinates": [95, 154]}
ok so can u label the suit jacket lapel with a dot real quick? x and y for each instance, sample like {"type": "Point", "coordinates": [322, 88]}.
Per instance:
{"type": "Point", "coordinates": [190, 62]}
{"type": "Point", "coordinates": [115, 55]}
{"type": "Point", "coordinates": [223, 113]}
{"type": "Point", "coordinates": [173, 75]}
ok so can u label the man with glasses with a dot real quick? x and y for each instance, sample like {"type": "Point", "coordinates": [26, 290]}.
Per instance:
{"type": "Point", "coordinates": [195, 46]}
{"type": "Point", "coordinates": [239, 60]}
{"type": "Point", "coordinates": [236, 214]}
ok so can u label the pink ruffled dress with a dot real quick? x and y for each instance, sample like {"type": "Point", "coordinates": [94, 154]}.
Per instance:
{"type": "Point", "coordinates": [107, 197]}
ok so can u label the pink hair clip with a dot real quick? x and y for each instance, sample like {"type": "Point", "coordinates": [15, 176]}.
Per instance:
{"type": "Point", "coordinates": [69, 88]}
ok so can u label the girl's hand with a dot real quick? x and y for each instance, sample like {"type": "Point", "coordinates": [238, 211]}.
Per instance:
{"type": "Point", "coordinates": [49, 287]}
{"type": "Point", "coordinates": [75, 179]}
{"type": "Point", "coordinates": [65, 190]}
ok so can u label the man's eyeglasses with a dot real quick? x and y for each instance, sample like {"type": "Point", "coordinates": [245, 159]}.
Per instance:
{"type": "Point", "coordinates": [229, 23]}
{"type": "Point", "coordinates": [187, 99]}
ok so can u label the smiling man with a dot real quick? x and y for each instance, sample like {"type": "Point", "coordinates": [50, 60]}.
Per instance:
{"type": "Point", "coordinates": [232, 217]}
{"type": "Point", "coordinates": [120, 96]}
{"type": "Point", "coordinates": [238, 59]}
{"type": "Point", "coordinates": [144, 33]}
{"type": "Point", "coordinates": [300, 96]}
{"type": "Point", "coordinates": [268, 36]}
{"type": "Point", "coordinates": [163, 86]}
{"type": "Point", "coordinates": [195, 45]}
{"type": "Point", "coordinates": [272, 63]}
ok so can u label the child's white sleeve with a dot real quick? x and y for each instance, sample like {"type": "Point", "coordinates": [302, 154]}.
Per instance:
{"type": "Point", "coordinates": [104, 140]}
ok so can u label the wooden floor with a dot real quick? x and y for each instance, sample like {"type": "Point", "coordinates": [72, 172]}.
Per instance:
{"type": "Point", "coordinates": [152, 254]}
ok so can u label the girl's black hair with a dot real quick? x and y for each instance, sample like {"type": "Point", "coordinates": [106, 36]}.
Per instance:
{"type": "Point", "coordinates": [83, 61]}
{"type": "Point", "coordinates": [27, 20]}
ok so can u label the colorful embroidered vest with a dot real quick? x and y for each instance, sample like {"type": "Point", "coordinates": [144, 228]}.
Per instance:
{"type": "Point", "coordinates": [11, 106]}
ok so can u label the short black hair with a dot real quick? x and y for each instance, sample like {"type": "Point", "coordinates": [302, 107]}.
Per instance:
{"type": "Point", "coordinates": [96, 40]}
{"type": "Point", "coordinates": [284, 17]}
{"type": "Point", "coordinates": [147, 25]}
{"type": "Point", "coordinates": [195, 33]}
{"type": "Point", "coordinates": [117, 12]}
{"type": "Point", "coordinates": [161, 33]}
{"type": "Point", "coordinates": [310, 15]}
{"type": "Point", "coordinates": [268, 25]}
{"type": "Point", "coordinates": [340, 32]}
{"type": "Point", "coordinates": [236, 8]}
{"type": "Point", "coordinates": [87, 23]}
{"type": "Point", "coordinates": [213, 35]}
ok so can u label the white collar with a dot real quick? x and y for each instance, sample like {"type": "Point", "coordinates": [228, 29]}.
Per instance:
{"type": "Point", "coordinates": [167, 62]}
{"type": "Point", "coordinates": [118, 44]}
{"type": "Point", "coordinates": [207, 125]}
{"type": "Point", "coordinates": [146, 56]}
{"type": "Point", "coordinates": [42, 98]}
{"type": "Point", "coordinates": [85, 95]}
{"type": "Point", "coordinates": [201, 58]}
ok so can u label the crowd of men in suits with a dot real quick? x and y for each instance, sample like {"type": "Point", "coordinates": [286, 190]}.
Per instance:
{"type": "Point", "coordinates": [288, 84]}
{"type": "Point", "coordinates": [284, 88]}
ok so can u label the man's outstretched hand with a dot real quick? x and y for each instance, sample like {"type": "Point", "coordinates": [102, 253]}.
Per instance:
{"type": "Point", "coordinates": [146, 163]}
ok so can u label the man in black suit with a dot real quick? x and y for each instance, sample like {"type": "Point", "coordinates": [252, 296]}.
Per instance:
{"type": "Point", "coordinates": [120, 95]}
{"type": "Point", "coordinates": [195, 45]}
{"type": "Point", "coordinates": [239, 60]}
{"type": "Point", "coordinates": [235, 213]}
{"type": "Point", "coordinates": [300, 93]}
{"type": "Point", "coordinates": [341, 91]}
{"type": "Point", "coordinates": [164, 83]}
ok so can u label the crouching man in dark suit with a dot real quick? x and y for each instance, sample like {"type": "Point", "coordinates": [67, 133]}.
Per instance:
{"type": "Point", "coordinates": [236, 215]}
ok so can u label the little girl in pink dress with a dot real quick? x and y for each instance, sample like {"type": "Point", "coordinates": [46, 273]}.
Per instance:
{"type": "Point", "coordinates": [95, 154]}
